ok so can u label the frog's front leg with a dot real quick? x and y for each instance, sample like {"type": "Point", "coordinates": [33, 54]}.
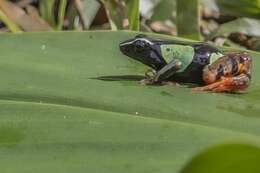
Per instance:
{"type": "Point", "coordinates": [231, 73]}
{"type": "Point", "coordinates": [168, 70]}
{"type": "Point", "coordinates": [163, 74]}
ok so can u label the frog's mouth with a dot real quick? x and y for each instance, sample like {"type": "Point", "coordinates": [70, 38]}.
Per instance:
{"type": "Point", "coordinates": [125, 48]}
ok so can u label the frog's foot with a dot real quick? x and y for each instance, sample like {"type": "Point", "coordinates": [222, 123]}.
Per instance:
{"type": "Point", "coordinates": [227, 84]}
{"type": "Point", "coordinates": [149, 77]}
{"type": "Point", "coordinates": [146, 81]}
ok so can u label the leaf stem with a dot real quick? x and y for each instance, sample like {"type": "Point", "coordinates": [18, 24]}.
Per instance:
{"type": "Point", "coordinates": [61, 14]}
{"type": "Point", "coordinates": [12, 26]}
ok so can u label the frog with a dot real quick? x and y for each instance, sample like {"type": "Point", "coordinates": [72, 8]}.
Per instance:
{"type": "Point", "coordinates": [199, 63]}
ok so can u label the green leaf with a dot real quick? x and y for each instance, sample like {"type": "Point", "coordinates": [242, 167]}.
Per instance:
{"type": "Point", "coordinates": [243, 8]}
{"type": "Point", "coordinates": [226, 158]}
{"type": "Point", "coordinates": [71, 102]}
{"type": "Point", "coordinates": [133, 14]}
{"type": "Point", "coordinates": [46, 10]}
{"type": "Point", "coordinates": [61, 13]}
{"type": "Point", "coordinates": [188, 19]}
{"type": "Point", "coordinates": [165, 10]}
{"type": "Point", "coordinates": [9, 23]}
{"type": "Point", "coordinates": [246, 26]}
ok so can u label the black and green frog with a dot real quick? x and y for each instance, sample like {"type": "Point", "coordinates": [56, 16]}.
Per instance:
{"type": "Point", "coordinates": [198, 63]}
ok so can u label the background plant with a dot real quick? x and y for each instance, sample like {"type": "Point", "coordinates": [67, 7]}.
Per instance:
{"type": "Point", "coordinates": [232, 23]}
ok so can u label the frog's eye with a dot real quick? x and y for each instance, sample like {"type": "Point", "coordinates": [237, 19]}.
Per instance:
{"type": "Point", "coordinates": [244, 58]}
{"type": "Point", "coordinates": [140, 45]}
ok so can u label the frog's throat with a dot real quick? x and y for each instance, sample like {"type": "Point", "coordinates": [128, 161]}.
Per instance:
{"type": "Point", "coordinates": [183, 53]}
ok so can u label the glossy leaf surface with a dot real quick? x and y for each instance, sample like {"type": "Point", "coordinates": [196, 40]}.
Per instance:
{"type": "Point", "coordinates": [71, 102]}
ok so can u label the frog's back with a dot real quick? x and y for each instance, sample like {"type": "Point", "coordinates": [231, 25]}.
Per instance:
{"type": "Point", "coordinates": [202, 57]}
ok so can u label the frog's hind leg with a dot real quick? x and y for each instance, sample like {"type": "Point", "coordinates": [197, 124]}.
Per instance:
{"type": "Point", "coordinates": [230, 73]}
{"type": "Point", "coordinates": [227, 84]}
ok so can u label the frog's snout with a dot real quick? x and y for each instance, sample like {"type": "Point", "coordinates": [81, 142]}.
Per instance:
{"type": "Point", "coordinates": [126, 48]}
{"type": "Point", "coordinates": [122, 47]}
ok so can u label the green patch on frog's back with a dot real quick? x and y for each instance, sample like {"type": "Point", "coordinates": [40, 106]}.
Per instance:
{"type": "Point", "coordinates": [184, 53]}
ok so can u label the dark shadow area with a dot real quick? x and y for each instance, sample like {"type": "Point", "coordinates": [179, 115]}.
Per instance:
{"type": "Point", "coordinates": [138, 78]}
{"type": "Point", "coordinates": [120, 78]}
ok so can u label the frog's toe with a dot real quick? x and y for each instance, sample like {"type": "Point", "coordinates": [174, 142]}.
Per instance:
{"type": "Point", "coordinates": [146, 82]}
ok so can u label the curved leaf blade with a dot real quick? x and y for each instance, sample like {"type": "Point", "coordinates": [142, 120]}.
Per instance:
{"type": "Point", "coordinates": [188, 19]}
{"type": "Point", "coordinates": [242, 8]}
{"type": "Point", "coordinates": [79, 108]}
{"type": "Point", "coordinates": [133, 14]}
{"type": "Point", "coordinates": [242, 25]}
{"type": "Point", "coordinates": [226, 158]}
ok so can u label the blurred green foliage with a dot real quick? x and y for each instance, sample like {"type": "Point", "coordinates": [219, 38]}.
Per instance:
{"type": "Point", "coordinates": [11, 25]}
{"type": "Point", "coordinates": [188, 19]}
{"type": "Point", "coordinates": [46, 10]}
{"type": "Point", "coordinates": [205, 20]}
{"type": "Point", "coordinates": [226, 158]}
{"type": "Point", "coordinates": [123, 13]}
{"type": "Point", "coordinates": [164, 10]}
{"type": "Point", "coordinates": [241, 8]}
{"type": "Point", "coordinates": [132, 7]}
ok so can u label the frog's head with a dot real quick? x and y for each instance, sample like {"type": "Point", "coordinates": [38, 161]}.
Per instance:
{"type": "Point", "coordinates": [143, 50]}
